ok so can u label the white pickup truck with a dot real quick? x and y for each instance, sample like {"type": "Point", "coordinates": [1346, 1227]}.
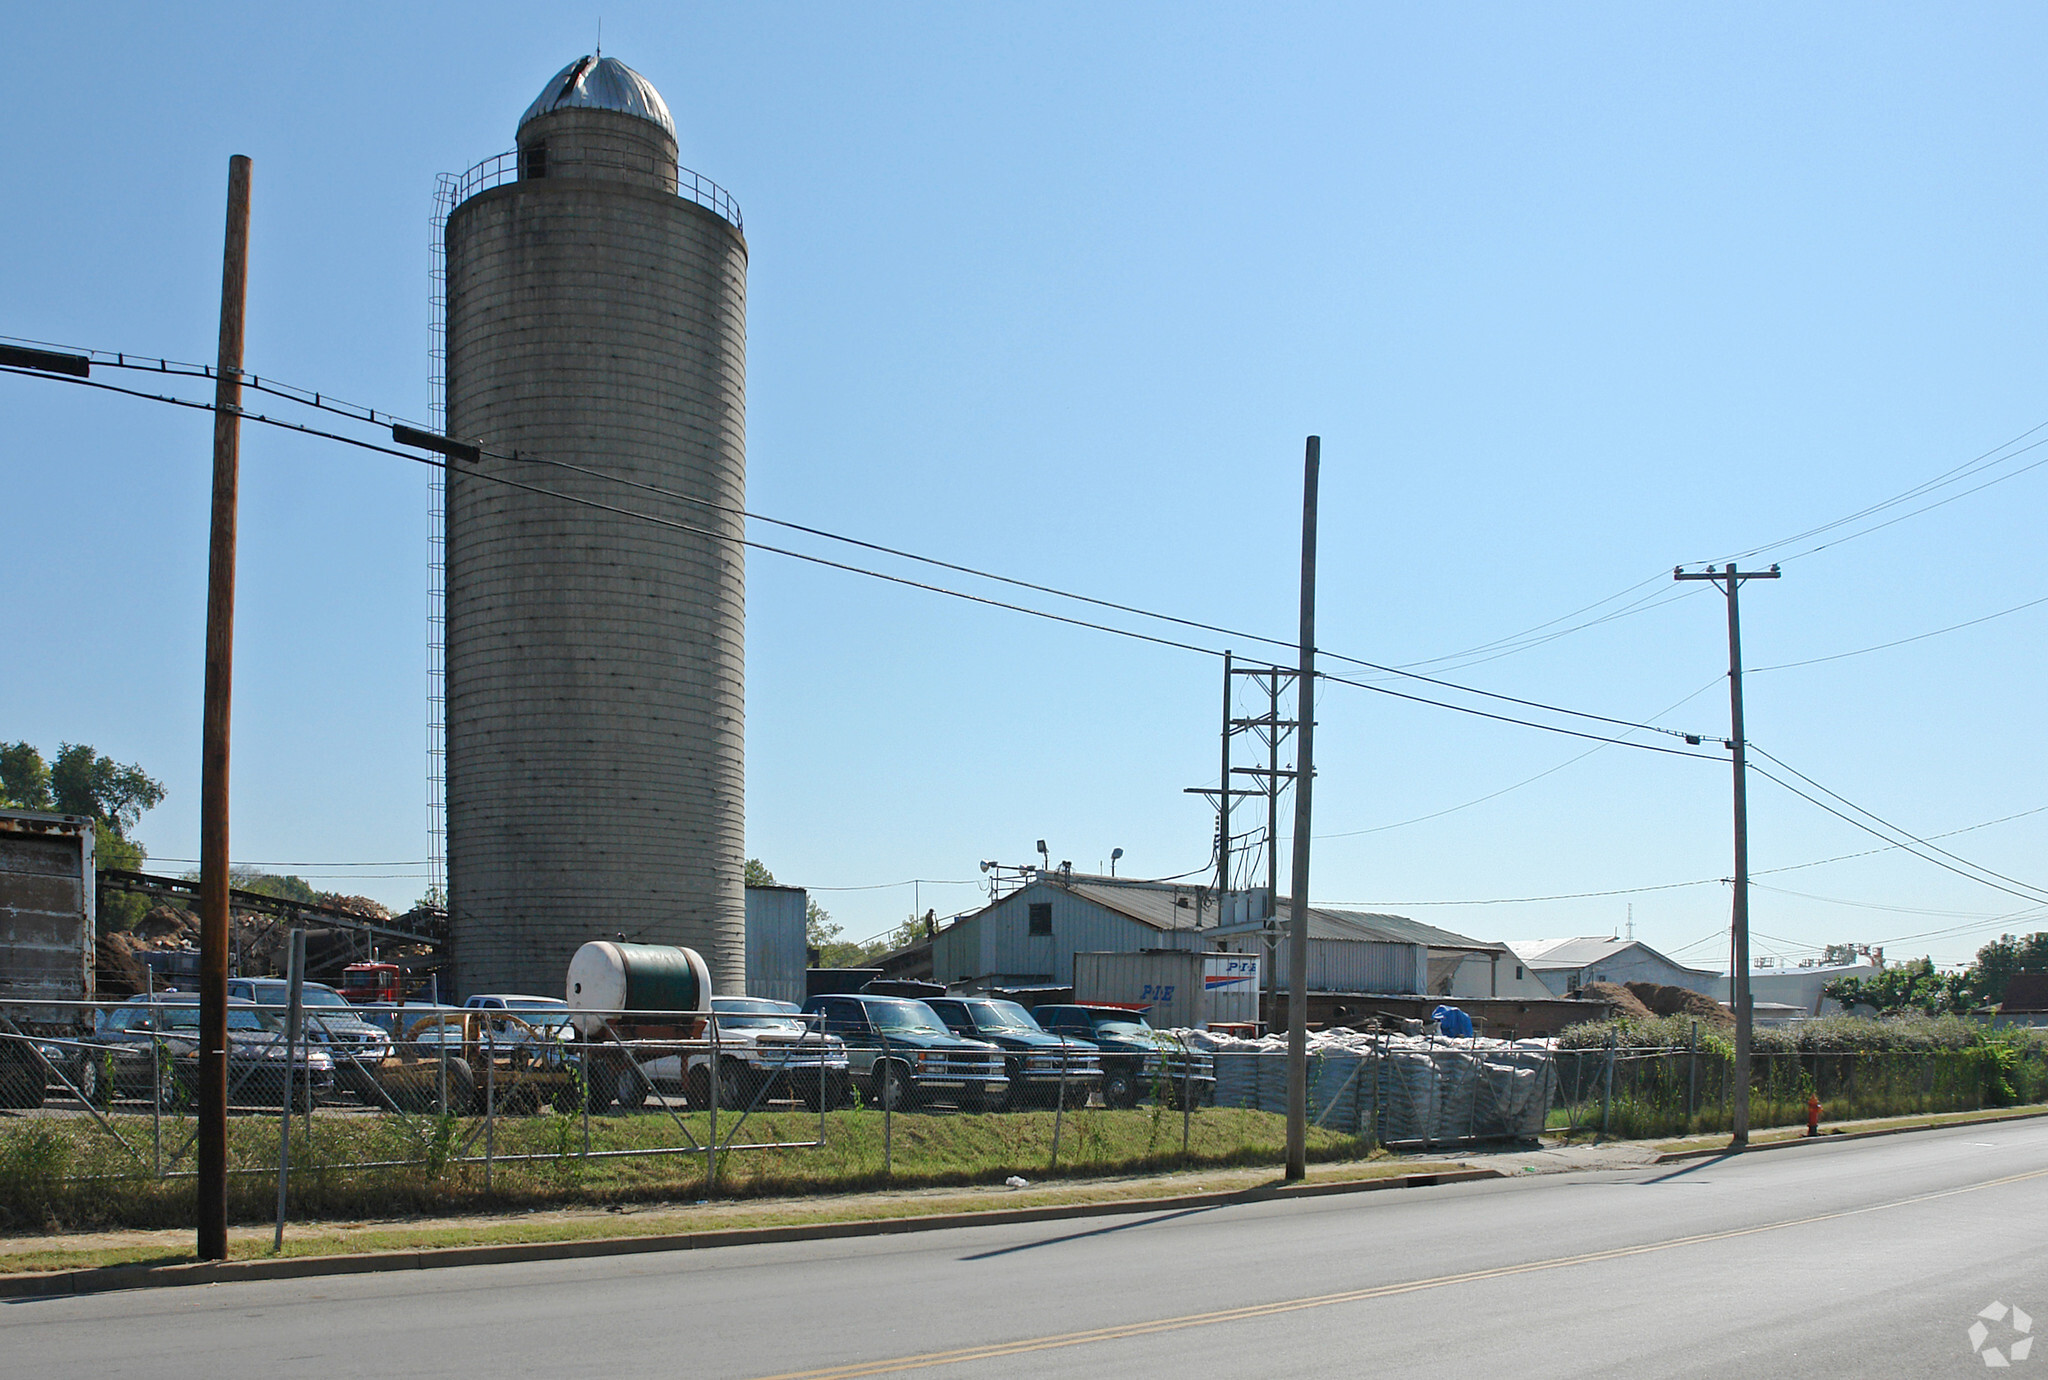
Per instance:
{"type": "Point", "coordinates": [764, 1051]}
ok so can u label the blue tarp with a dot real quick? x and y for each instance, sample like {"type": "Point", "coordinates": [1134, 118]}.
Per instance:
{"type": "Point", "coordinates": [1452, 1022]}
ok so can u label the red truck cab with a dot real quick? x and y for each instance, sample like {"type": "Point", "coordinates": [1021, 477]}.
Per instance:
{"type": "Point", "coordinates": [365, 982]}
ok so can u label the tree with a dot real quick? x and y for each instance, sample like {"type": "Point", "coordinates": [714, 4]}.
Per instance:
{"type": "Point", "coordinates": [1910, 986]}
{"type": "Point", "coordinates": [285, 888]}
{"type": "Point", "coordinates": [2005, 958]}
{"type": "Point", "coordinates": [83, 782]}
{"type": "Point", "coordinates": [24, 778]}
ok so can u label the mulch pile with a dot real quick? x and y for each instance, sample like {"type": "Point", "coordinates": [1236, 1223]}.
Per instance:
{"type": "Point", "coordinates": [1625, 1002]}
{"type": "Point", "coordinates": [1681, 1001]}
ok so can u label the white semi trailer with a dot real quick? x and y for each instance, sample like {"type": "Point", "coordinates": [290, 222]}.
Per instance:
{"type": "Point", "coordinates": [1175, 988]}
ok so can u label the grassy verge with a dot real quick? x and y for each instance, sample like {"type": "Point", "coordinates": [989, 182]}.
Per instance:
{"type": "Point", "coordinates": [1632, 1117]}
{"type": "Point", "coordinates": [68, 1174]}
{"type": "Point", "coordinates": [169, 1247]}
{"type": "Point", "coordinates": [1889, 1123]}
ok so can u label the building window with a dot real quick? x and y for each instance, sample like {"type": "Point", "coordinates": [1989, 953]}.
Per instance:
{"type": "Point", "coordinates": [1041, 917]}
{"type": "Point", "coordinates": [1518, 972]}
{"type": "Point", "coordinates": [533, 160]}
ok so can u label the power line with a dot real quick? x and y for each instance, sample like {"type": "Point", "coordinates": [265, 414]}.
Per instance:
{"type": "Point", "coordinates": [631, 513]}
{"type": "Point", "coordinates": [1895, 847]}
{"type": "Point", "coordinates": [1529, 900]}
{"type": "Point", "coordinates": [1526, 632]}
{"type": "Point", "coordinates": [1871, 905]}
{"type": "Point", "coordinates": [1890, 847]}
{"type": "Point", "coordinates": [1507, 719]}
{"type": "Point", "coordinates": [1950, 476]}
{"type": "Point", "coordinates": [316, 399]}
{"type": "Point", "coordinates": [1859, 824]}
{"type": "Point", "coordinates": [1526, 640]}
{"type": "Point", "coordinates": [815, 560]}
{"type": "Point", "coordinates": [1895, 828]}
{"type": "Point", "coordinates": [1941, 503]}
{"type": "Point", "coordinates": [1513, 699]}
{"type": "Point", "coordinates": [1921, 637]}
{"type": "Point", "coordinates": [891, 886]}
{"type": "Point", "coordinates": [1526, 781]}
{"type": "Point", "coordinates": [1648, 603]}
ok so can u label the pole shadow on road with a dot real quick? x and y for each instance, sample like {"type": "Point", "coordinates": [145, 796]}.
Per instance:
{"type": "Point", "coordinates": [1099, 1231]}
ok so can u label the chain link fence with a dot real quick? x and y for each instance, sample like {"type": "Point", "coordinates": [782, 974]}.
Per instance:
{"type": "Point", "coordinates": [1646, 1093]}
{"type": "Point", "coordinates": [371, 1111]}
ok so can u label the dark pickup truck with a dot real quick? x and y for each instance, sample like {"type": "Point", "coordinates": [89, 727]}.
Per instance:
{"type": "Point", "coordinates": [1040, 1064]}
{"type": "Point", "coordinates": [1135, 1057]}
{"type": "Point", "coordinates": [903, 1056]}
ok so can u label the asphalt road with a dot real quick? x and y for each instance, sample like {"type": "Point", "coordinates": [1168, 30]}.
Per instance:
{"type": "Point", "coordinates": [1862, 1259]}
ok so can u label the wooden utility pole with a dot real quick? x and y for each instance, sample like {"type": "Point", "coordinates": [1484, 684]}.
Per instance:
{"type": "Point", "coordinates": [213, 773]}
{"type": "Point", "coordinates": [1729, 580]}
{"type": "Point", "coordinates": [1304, 785]}
{"type": "Point", "coordinates": [1223, 809]}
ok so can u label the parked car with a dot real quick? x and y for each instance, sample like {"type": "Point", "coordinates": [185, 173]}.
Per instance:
{"type": "Point", "coordinates": [1039, 1063]}
{"type": "Point", "coordinates": [515, 1001]}
{"type": "Point", "coordinates": [357, 1046]}
{"type": "Point", "coordinates": [765, 1051]}
{"type": "Point", "coordinates": [901, 1053]}
{"type": "Point", "coordinates": [1135, 1057]}
{"type": "Point", "coordinates": [123, 1059]}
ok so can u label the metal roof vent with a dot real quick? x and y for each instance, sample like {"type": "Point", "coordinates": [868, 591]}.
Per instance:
{"type": "Point", "coordinates": [601, 83]}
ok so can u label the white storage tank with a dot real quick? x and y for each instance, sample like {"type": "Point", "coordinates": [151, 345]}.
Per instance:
{"type": "Point", "coordinates": [607, 977]}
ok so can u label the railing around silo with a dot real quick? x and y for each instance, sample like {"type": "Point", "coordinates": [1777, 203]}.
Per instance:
{"type": "Point", "coordinates": [501, 168]}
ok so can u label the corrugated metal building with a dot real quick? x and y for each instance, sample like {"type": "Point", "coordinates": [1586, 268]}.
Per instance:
{"type": "Point", "coordinates": [1030, 937]}
{"type": "Point", "coordinates": [777, 943]}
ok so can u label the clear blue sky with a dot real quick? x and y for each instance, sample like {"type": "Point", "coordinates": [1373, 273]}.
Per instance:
{"type": "Point", "coordinates": [1572, 294]}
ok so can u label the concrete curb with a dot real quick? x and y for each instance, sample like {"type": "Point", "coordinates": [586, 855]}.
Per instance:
{"type": "Point", "coordinates": [104, 1279]}
{"type": "Point", "coordinates": [1714, 1152]}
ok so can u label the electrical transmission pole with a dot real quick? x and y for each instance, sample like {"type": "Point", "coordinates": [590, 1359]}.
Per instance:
{"type": "Point", "coordinates": [1729, 580]}
{"type": "Point", "coordinates": [212, 1206]}
{"type": "Point", "coordinates": [1297, 922]}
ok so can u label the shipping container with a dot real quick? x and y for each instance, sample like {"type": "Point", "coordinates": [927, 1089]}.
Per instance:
{"type": "Point", "coordinates": [1178, 989]}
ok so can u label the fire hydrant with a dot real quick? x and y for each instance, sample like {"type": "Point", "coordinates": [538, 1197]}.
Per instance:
{"type": "Point", "coordinates": [1813, 1114]}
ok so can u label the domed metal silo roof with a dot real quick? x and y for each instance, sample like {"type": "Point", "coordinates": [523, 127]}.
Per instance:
{"type": "Point", "coordinates": [601, 83]}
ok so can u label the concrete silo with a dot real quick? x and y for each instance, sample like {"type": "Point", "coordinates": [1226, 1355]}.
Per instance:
{"type": "Point", "coordinates": [595, 315]}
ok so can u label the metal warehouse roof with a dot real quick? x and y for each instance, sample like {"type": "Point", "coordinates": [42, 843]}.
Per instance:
{"type": "Point", "coordinates": [1148, 905]}
{"type": "Point", "coordinates": [1372, 927]}
{"type": "Point", "coordinates": [1584, 952]}
{"type": "Point", "coordinates": [1570, 953]}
